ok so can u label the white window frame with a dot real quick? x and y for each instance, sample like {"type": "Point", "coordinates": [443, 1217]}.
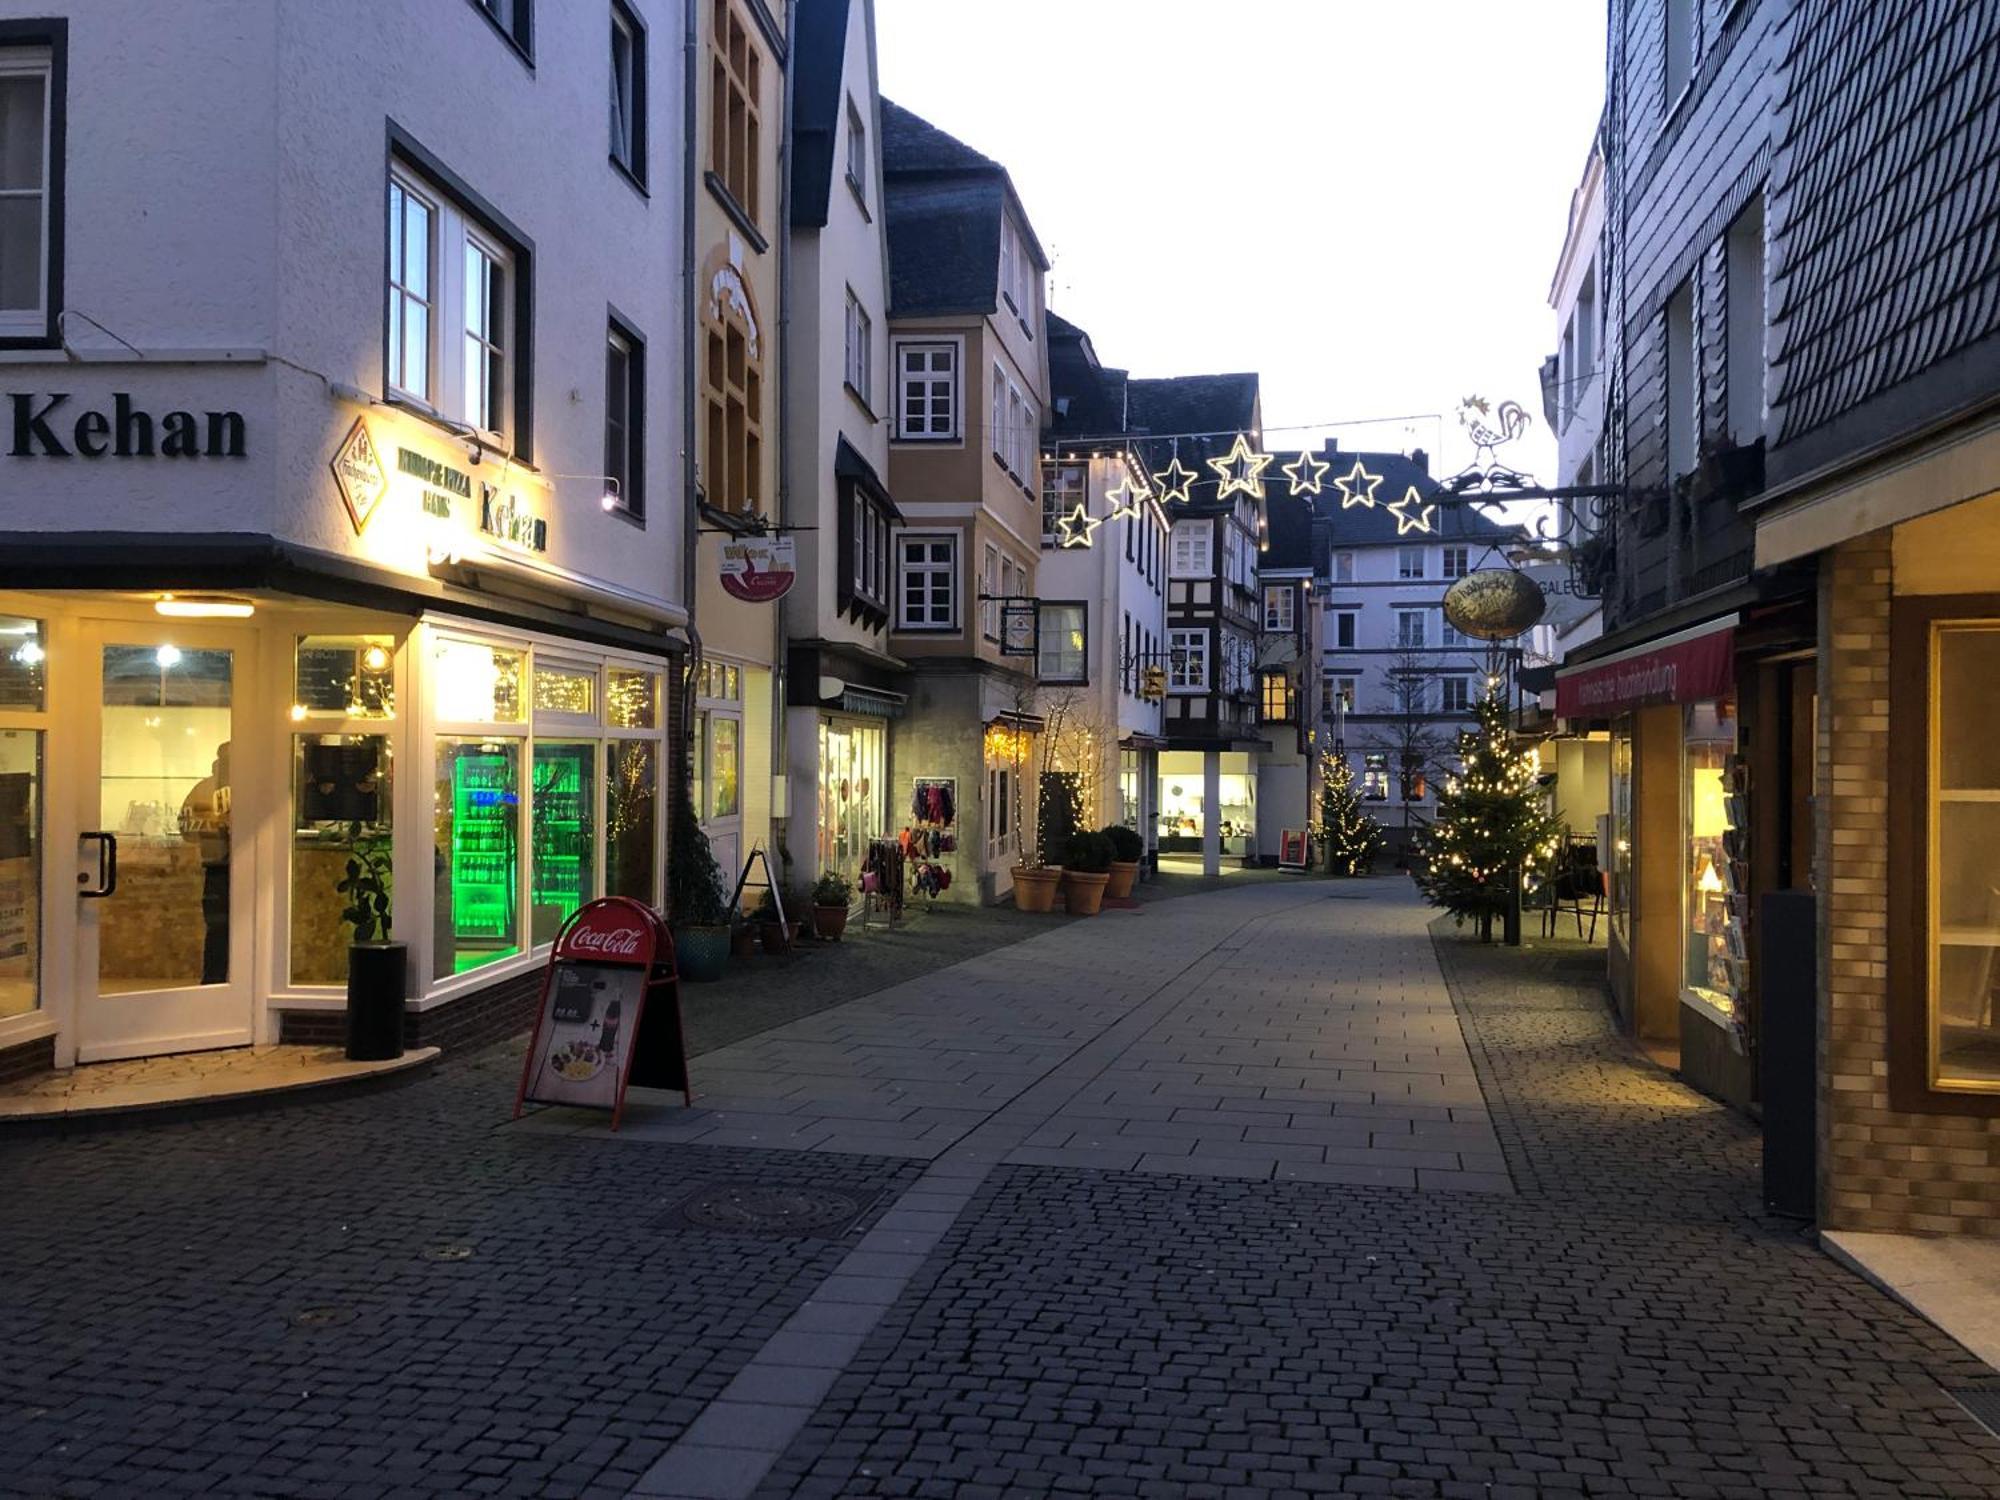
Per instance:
{"type": "Point", "coordinates": [1343, 567]}
{"type": "Point", "coordinates": [1187, 661]}
{"type": "Point", "coordinates": [943, 576]}
{"type": "Point", "coordinates": [1193, 555]}
{"type": "Point", "coordinates": [39, 63]}
{"type": "Point", "coordinates": [857, 151]}
{"type": "Point", "coordinates": [1455, 695]}
{"type": "Point", "coordinates": [927, 384]}
{"type": "Point", "coordinates": [1408, 639]}
{"type": "Point", "coordinates": [990, 584]}
{"type": "Point", "coordinates": [859, 369]}
{"type": "Point", "coordinates": [1280, 608]}
{"type": "Point", "coordinates": [1060, 498]}
{"type": "Point", "coordinates": [1456, 563]}
{"type": "Point", "coordinates": [1063, 609]}
{"type": "Point", "coordinates": [1410, 563]}
{"type": "Point", "coordinates": [1345, 686]}
{"type": "Point", "coordinates": [1448, 633]}
{"type": "Point", "coordinates": [452, 233]}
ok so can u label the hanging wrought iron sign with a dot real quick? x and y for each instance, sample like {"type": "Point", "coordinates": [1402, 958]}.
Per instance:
{"type": "Point", "coordinates": [1495, 604]}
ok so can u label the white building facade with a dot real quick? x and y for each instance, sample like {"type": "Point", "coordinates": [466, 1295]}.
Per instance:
{"type": "Point", "coordinates": [345, 460]}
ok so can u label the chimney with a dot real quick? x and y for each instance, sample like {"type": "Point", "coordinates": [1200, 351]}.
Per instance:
{"type": "Point", "coordinates": [1421, 459]}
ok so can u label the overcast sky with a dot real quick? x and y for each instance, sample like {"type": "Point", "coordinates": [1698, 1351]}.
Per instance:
{"type": "Point", "coordinates": [1361, 200]}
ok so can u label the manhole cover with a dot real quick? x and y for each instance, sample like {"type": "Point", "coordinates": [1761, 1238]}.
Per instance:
{"type": "Point", "coordinates": [322, 1317]}
{"type": "Point", "coordinates": [770, 1208]}
{"type": "Point", "coordinates": [1982, 1401]}
{"type": "Point", "coordinates": [447, 1252]}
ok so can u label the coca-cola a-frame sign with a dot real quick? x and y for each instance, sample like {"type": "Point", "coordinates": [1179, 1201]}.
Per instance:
{"type": "Point", "coordinates": [610, 1012]}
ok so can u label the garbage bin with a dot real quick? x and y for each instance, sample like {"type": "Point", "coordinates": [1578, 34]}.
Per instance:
{"type": "Point", "coordinates": [376, 981]}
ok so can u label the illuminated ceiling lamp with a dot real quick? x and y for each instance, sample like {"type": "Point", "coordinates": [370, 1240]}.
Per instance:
{"type": "Point", "coordinates": [203, 607]}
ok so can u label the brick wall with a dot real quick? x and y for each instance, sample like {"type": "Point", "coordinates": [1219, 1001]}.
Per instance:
{"type": "Point", "coordinates": [37, 1056]}
{"type": "Point", "coordinates": [1879, 1169]}
{"type": "Point", "coordinates": [475, 1020]}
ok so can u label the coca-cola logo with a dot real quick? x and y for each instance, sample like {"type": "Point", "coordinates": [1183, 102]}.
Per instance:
{"type": "Point", "coordinates": [607, 942]}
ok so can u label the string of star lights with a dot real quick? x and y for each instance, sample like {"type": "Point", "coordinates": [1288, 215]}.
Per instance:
{"type": "Point", "coordinates": [1241, 470]}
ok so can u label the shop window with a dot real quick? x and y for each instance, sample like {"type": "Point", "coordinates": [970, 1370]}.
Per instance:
{"type": "Point", "coordinates": [342, 846]}
{"type": "Point", "coordinates": [22, 660]}
{"type": "Point", "coordinates": [562, 868]}
{"type": "Point", "coordinates": [852, 812]}
{"type": "Point", "coordinates": [569, 692]}
{"type": "Point", "coordinates": [631, 819]}
{"type": "Point", "coordinates": [1620, 864]}
{"type": "Point", "coordinates": [1001, 812]}
{"type": "Point", "coordinates": [1061, 647]}
{"type": "Point", "coordinates": [1375, 778]}
{"type": "Point", "coordinates": [476, 908]}
{"type": "Point", "coordinates": [344, 676]}
{"type": "Point", "coordinates": [31, 200]}
{"type": "Point", "coordinates": [1713, 952]}
{"type": "Point", "coordinates": [631, 700]}
{"type": "Point", "coordinates": [1962, 922]}
{"type": "Point", "coordinates": [478, 683]}
{"type": "Point", "coordinates": [1128, 788]}
{"type": "Point", "coordinates": [725, 765]}
{"type": "Point", "coordinates": [20, 869]}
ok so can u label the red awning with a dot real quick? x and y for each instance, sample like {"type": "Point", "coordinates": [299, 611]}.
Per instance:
{"type": "Point", "coordinates": [1690, 667]}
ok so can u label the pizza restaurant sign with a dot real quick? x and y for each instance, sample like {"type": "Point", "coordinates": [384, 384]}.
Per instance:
{"type": "Point", "coordinates": [439, 490]}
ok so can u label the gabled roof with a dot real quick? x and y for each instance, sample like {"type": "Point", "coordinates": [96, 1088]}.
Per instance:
{"type": "Point", "coordinates": [1376, 525]}
{"type": "Point", "coordinates": [1085, 399]}
{"type": "Point", "coordinates": [819, 52]}
{"type": "Point", "coordinates": [1195, 403]}
{"type": "Point", "coordinates": [944, 203]}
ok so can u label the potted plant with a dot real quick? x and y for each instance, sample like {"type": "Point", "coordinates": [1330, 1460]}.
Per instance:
{"type": "Point", "coordinates": [1086, 872]}
{"type": "Point", "coordinates": [830, 895]}
{"type": "Point", "coordinates": [1127, 849]}
{"type": "Point", "coordinates": [776, 933]}
{"type": "Point", "coordinates": [377, 968]}
{"type": "Point", "coordinates": [699, 911]}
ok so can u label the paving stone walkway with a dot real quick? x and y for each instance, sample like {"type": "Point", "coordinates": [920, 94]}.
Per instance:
{"type": "Point", "coordinates": [1256, 1193]}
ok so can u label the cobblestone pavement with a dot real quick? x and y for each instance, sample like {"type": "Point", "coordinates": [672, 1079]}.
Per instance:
{"type": "Point", "coordinates": [397, 1294]}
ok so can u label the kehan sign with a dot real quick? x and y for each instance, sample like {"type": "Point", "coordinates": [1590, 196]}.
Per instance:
{"type": "Point", "coordinates": [42, 428]}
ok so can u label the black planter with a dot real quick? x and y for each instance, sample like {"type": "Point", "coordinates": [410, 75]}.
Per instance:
{"type": "Point", "coordinates": [377, 979]}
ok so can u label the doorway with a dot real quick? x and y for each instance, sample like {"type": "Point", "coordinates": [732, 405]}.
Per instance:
{"type": "Point", "coordinates": [165, 875]}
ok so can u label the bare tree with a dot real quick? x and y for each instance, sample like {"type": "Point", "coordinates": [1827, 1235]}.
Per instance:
{"type": "Point", "coordinates": [1410, 734]}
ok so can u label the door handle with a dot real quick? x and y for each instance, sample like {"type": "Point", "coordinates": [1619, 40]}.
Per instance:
{"type": "Point", "coordinates": [107, 865]}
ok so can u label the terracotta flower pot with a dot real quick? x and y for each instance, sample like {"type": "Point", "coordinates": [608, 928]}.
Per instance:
{"type": "Point", "coordinates": [830, 922]}
{"type": "Point", "coordinates": [1083, 891]}
{"type": "Point", "coordinates": [1124, 875]}
{"type": "Point", "coordinates": [1035, 890]}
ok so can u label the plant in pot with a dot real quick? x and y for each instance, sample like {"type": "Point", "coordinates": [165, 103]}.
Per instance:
{"type": "Point", "coordinates": [377, 968]}
{"type": "Point", "coordinates": [699, 911]}
{"type": "Point", "coordinates": [1086, 872]}
{"type": "Point", "coordinates": [1127, 849]}
{"type": "Point", "coordinates": [830, 895]}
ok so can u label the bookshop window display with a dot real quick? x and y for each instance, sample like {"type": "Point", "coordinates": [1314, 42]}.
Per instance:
{"type": "Point", "coordinates": [1962, 922]}
{"type": "Point", "coordinates": [1713, 811]}
{"type": "Point", "coordinates": [547, 787]}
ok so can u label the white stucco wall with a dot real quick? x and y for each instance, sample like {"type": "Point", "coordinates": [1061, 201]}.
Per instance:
{"type": "Point", "coordinates": [227, 191]}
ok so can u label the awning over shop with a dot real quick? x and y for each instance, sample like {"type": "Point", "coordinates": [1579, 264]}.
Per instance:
{"type": "Point", "coordinates": [877, 705]}
{"type": "Point", "coordinates": [1689, 666]}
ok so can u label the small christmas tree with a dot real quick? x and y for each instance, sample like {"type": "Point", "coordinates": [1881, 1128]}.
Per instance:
{"type": "Point", "coordinates": [1490, 825]}
{"type": "Point", "coordinates": [1351, 838]}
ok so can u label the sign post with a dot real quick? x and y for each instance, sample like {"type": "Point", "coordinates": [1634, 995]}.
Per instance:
{"type": "Point", "coordinates": [609, 1014]}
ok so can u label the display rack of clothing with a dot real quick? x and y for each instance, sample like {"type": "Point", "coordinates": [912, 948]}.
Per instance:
{"type": "Point", "coordinates": [930, 841]}
{"type": "Point", "coordinates": [882, 881]}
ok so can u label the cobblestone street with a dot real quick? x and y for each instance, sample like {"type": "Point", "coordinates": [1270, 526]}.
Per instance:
{"type": "Point", "coordinates": [1270, 1191]}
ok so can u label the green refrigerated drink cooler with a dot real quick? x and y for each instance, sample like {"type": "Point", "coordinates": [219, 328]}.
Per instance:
{"type": "Point", "coordinates": [565, 806]}
{"type": "Point", "coordinates": [485, 863]}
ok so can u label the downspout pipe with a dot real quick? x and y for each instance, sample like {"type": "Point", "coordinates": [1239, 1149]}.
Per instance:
{"type": "Point", "coordinates": [780, 730]}
{"type": "Point", "coordinates": [691, 519]}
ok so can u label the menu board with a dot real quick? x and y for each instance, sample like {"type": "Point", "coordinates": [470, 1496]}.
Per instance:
{"type": "Point", "coordinates": [584, 1045]}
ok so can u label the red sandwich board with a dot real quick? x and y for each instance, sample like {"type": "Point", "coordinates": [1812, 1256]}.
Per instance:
{"type": "Point", "coordinates": [609, 1014]}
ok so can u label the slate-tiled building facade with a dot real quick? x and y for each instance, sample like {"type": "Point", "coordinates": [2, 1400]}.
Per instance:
{"type": "Point", "coordinates": [1803, 403]}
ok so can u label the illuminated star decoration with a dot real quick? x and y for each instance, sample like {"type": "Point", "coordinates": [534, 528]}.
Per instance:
{"type": "Point", "coordinates": [1411, 513]}
{"type": "Point", "coordinates": [1357, 487]}
{"type": "Point", "coordinates": [1077, 528]}
{"type": "Point", "coordinates": [1174, 480]}
{"type": "Point", "coordinates": [1241, 470]}
{"type": "Point", "coordinates": [1305, 472]}
{"type": "Point", "coordinates": [1127, 500]}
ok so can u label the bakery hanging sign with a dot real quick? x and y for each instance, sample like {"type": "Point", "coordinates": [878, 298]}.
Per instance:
{"type": "Point", "coordinates": [758, 569]}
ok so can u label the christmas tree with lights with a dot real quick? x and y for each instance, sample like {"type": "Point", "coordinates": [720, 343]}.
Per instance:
{"type": "Point", "coordinates": [1490, 825]}
{"type": "Point", "coordinates": [1350, 837]}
